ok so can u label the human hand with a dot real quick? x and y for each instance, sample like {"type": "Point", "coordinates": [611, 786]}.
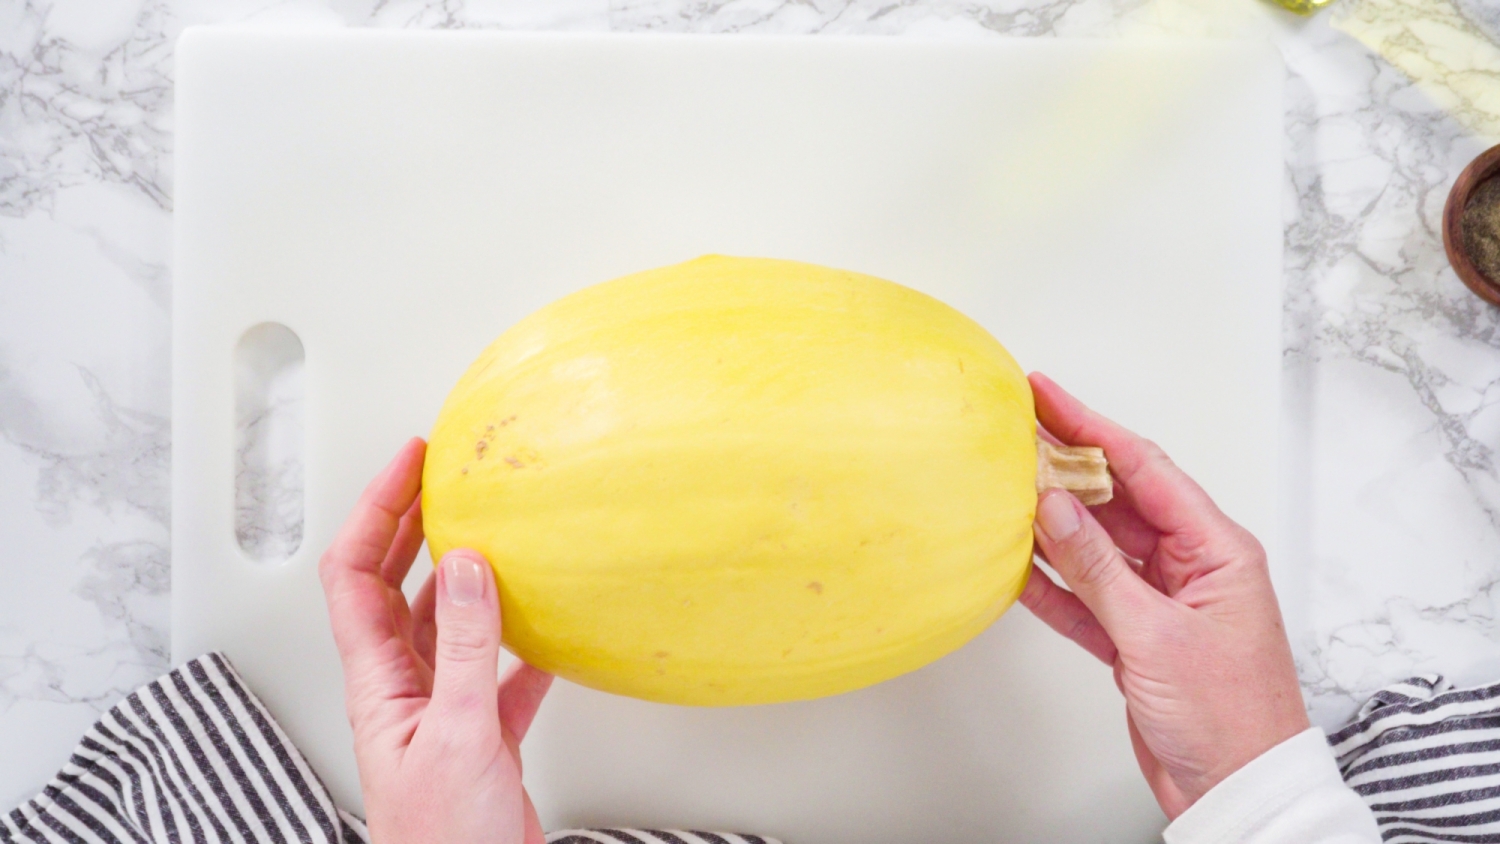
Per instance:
{"type": "Point", "coordinates": [1177, 598]}
{"type": "Point", "coordinates": [436, 734]}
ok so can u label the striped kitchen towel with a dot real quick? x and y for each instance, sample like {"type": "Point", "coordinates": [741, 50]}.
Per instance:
{"type": "Point", "coordinates": [1426, 758]}
{"type": "Point", "coordinates": [195, 757]}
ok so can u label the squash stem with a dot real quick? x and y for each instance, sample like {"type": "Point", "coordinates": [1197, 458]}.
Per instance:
{"type": "Point", "coordinates": [1081, 470]}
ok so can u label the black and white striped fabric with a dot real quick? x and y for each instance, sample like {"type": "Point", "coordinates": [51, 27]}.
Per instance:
{"type": "Point", "coordinates": [1426, 758]}
{"type": "Point", "coordinates": [195, 758]}
{"type": "Point", "coordinates": [192, 757]}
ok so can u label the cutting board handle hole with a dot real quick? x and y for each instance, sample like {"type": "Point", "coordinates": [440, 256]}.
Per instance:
{"type": "Point", "coordinates": [268, 450]}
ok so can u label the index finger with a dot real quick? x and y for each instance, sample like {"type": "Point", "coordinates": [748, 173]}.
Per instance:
{"type": "Point", "coordinates": [1066, 613]}
{"type": "Point", "coordinates": [520, 695]}
{"type": "Point", "coordinates": [1164, 496]}
{"type": "Point", "coordinates": [358, 604]}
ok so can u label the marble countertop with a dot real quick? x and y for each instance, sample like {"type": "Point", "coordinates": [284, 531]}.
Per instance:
{"type": "Point", "coordinates": [1390, 554]}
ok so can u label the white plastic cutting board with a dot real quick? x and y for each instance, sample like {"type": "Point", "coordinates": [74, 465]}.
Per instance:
{"type": "Point", "coordinates": [1110, 211]}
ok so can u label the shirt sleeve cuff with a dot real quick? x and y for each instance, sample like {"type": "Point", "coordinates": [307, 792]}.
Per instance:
{"type": "Point", "coordinates": [1292, 789]}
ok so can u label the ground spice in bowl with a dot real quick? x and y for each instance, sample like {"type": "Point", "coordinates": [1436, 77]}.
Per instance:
{"type": "Point", "coordinates": [1471, 226]}
{"type": "Point", "coordinates": [1481, 224]}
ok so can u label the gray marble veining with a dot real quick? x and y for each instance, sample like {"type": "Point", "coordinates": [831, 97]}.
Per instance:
{"type": "Point", "coordinates": [1392, 531]}
{"type": "Point", "coordinates": [268, 483]}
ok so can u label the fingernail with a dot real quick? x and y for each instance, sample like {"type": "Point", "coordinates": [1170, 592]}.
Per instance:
{"type": "Point", "coordinates": [1057, 517]}
{"type": "Point", "coordinates": [463, 579]}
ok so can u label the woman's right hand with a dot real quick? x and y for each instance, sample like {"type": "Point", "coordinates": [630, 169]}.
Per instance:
{"type": "Point", "coordinates": [1177, 598]}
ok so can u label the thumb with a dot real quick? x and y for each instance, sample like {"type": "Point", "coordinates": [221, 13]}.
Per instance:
{"type": "Point", "coordinates": [467, 651]}
{"type": "Point", "coordinates": [1078, 547]}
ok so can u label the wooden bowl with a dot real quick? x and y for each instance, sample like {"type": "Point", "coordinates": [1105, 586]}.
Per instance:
{"type": "Point", "coordinates": [1484, 167]}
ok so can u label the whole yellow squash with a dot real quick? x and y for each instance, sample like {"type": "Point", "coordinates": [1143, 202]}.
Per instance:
{"type": "Point", "coordinates": [736, 481]}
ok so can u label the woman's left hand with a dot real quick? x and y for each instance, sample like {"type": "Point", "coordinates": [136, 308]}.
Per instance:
{"type": "Point", "coordinates": [436, 733]}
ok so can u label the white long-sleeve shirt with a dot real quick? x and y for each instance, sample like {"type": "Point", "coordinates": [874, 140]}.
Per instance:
{"type": "Point", "coordinates": [1291, 794]}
